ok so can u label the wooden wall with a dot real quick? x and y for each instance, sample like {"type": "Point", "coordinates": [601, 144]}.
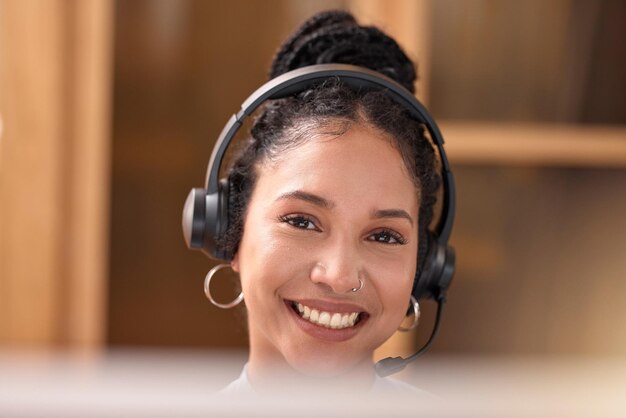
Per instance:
{"type": "Point", "coordinates": [54, 165]}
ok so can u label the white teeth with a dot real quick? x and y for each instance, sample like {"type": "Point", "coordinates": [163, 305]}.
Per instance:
{"type": "Point", "coordinates": [327, 319]}
{"type": "Point", "coordinates": [314, 315]}
{"type": "Point", "coordinates": [324, 319]}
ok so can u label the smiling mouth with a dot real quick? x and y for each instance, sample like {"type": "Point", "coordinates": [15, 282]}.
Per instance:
{"type": "Point", "coordinates": [333, 320]}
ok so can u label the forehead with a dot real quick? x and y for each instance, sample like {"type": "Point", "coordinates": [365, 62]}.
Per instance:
{"type": "Point", "coordinates": [361, 165]}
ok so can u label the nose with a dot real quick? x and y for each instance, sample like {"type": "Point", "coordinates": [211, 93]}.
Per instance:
{"type": "Point", "coordinates": [339, 267]}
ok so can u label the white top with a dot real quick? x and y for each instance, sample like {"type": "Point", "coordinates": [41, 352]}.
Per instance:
{"type": "Point", "coordinates": [382, 386]}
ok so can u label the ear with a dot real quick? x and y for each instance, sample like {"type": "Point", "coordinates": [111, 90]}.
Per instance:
{"type": "Point", "coordinates": [234, 263]}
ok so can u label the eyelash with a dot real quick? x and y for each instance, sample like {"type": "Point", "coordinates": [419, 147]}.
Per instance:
{"type": "Point", "coordinates": [293, 220]}
{"type": "Point", "coordinates": [386, 234]}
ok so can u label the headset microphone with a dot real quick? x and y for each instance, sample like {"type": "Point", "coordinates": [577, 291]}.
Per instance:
{"type": "Point", "coordinates": [391, 365]}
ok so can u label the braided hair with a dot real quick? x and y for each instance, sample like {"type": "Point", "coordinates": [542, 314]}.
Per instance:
{"type": "Point", "coordinates": [332, 108]}
{"type": "Point", "coordinates": [335, 37]}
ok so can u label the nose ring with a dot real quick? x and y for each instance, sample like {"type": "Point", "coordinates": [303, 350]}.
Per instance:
{"type": "Point", "coordinates": [355, 289]}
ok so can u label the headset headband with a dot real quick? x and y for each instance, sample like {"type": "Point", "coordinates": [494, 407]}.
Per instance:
{"type": "Point", "coordinates": [299, 80]}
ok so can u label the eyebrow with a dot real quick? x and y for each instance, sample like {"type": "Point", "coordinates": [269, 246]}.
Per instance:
{"type": "Point", "coordinates": [325, 203]}
{"type": "Point", "coordinates": [307, 197]}
{"type": "Point", "coordinates": [392, 213]}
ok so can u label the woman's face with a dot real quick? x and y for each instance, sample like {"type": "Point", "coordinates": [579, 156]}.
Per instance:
{"type": "Point", "coordinates": [323, 216]}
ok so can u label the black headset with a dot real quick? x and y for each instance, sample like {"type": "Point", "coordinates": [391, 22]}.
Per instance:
{"type": "Point", "coordinates": [205, 215]}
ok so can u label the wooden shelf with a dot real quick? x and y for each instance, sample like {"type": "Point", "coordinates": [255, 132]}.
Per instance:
{"type": "Point", "coordinates": [535, 144]}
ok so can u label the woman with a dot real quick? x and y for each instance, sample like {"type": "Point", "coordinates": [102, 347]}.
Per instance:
{"type": "Point", "coordinates": [329, 205]}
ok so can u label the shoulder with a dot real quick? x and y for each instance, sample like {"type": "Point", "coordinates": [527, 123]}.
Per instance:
{"type": "Point", "coordinates": [239, 386]}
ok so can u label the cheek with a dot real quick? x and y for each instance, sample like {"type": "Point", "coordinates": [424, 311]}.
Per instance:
{"type": "Point", "coordinates": [395, 282]}
{"type": "Point", "coordinates": [395, 294]}
{"type": "Point", "coordinates": [266, 261]}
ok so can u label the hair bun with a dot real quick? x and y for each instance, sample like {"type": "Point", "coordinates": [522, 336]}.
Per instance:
{"type": "Point", "coordinates": [336, 37]}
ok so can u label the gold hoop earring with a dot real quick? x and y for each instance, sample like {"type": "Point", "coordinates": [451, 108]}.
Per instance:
{"type": "Point", "coordinates": [207, 289]}
{"type": "Point", "coordinates": [416, 316]}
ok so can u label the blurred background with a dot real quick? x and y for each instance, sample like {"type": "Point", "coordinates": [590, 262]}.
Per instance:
{"type": "Point", "coordinates": [109, 110]}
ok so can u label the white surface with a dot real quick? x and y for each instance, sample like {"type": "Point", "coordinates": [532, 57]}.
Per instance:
{"type": "Point", "coordinates": [139, 383]}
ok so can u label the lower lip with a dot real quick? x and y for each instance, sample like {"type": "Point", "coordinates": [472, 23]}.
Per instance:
{"type": "Point", "coordinates": [323, 333]}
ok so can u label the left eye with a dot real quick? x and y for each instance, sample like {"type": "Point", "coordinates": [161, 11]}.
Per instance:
{"type": "Point", "coordinates": [300, 222]}
{"type": "Point", "coordinates": [387, 237]}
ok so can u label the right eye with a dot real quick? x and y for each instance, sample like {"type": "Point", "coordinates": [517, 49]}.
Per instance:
{"type": "Point", "coordinates": [300, 222]}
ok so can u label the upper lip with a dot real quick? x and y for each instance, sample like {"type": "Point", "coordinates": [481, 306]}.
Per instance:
{"type": "Point", "coordinates": [329, 306]}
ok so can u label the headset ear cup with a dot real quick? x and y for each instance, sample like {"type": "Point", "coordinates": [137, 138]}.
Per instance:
{"type": "Point", "coordinates": [216, 221]}
{"type": "Point", "coordinates": [448, 269]}
{"type": "Point", "coordinates": [437, 270]}
{"type": "Point", "coordinates": [194, 218]}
